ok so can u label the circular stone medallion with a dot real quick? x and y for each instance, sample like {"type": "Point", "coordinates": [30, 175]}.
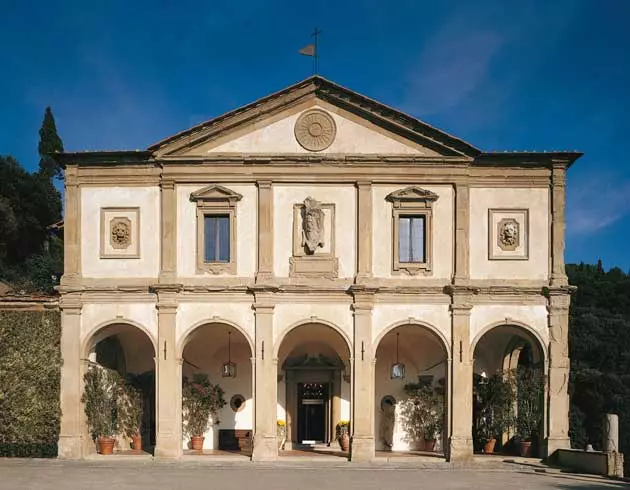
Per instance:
{"type": "Point", "coordinates": [315, 130]}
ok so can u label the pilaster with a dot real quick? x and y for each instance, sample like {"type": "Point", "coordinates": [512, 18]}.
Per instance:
{"type": "Point", "coordinates": [265, 384]}
{"type": "Point", "coordinates": [558, 205]}
{"type": "Point", "coordinates": [168, 389]}
{"type": "Point", "coordinates": [168, 227]}
{"type": "Point", "coordinates": [364, 230]}
{"type": "Point", "coordinates": [462, 234]}
{"type": "Point", "coordinates": [362, 440]}
{"type": "Point", "coordinates": [265, 231]}
{"type": "Point", "coordinates": [70, 443]}
{"type": "Point", "coordinates": [72, 228]}
{"type": "Point", "coordinates": [558, 394]}
{"type": "Point", "coordinates": [461, 366]}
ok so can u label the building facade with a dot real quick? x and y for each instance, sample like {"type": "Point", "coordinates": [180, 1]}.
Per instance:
{"type": "Point", "coordinates": [313, 252]}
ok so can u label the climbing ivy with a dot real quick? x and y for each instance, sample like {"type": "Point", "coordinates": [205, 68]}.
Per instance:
{"type": "Point", "coordinates": [30, 362]}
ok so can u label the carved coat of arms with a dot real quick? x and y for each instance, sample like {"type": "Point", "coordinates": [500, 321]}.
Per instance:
{"type": "Point", "coordinates": [312, 225]}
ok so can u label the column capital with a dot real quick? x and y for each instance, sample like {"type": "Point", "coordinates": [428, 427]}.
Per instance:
{"type": "Point", "coordinates": [264, 184]}
{"type": "Point", "coordinates": [263, 308]}
{"type": "Point", "coordinates": [363, 183]}
{"type": "Point", "coordinates": [167, 184]}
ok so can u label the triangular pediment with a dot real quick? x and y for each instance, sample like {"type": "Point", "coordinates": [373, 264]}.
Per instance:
{"type": "Point", "coordinates": [314, 116]}
{"type": "Point", "coordinates": [215, 193]}
{"type": "Point", "coordinates": [412, 194]}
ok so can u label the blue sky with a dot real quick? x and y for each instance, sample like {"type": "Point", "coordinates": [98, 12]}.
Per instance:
{"type": "Point", "coordinates": [525, 75]}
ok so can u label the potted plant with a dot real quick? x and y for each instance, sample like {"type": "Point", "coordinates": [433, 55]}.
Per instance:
{"type": "Point", "coordinates": [496, 405]}
{"type": "Point", "coordinates": [281, 433]}
{"type": "Point", "coordinates": [342, 432]}
{"type": "Point", "coordinates": [422, 415]}
{"type": "Point", "coordinates": [201, 401]}
{"type": "Point", "coordinates": [530, 384]}
{"type": "Point", "coordinates": [99, 402]}
{"type": "Point", "coordinates": [130, 408]}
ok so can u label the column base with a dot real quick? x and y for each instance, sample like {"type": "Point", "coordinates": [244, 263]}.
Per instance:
{"type": "Point", "coordinates": [460, 449]}
{"type": "Point", "coordinates": [362, 449]}
{"type": "Point", "coordinates": [552, 444]}
{"type": "Point", "coordinates": [168, 448]}
{"type": "Point", "coordinates": [70, 447]}
{"type": "Point", "coordinates": [265, 448]}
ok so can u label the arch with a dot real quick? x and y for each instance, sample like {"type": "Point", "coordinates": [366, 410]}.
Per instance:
{"type": "Point", "coordinates": [96, 334]}
{"type": "Point", "coordinates": [530, 332]}
{"type": "Point", "coordinates": [412, 321]}
{"type": "Point", "coordinates": [313, 320]}
{"type": "Point", "coordinates": [209, 321]}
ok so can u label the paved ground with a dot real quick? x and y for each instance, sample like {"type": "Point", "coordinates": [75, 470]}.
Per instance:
{"type": "Point", "coordinates": [123, 475]}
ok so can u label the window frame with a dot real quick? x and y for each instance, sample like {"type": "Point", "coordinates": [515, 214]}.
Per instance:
{"type": "Point", "coordinates": [216, 201]}
{"type": "Point", "coordinates": [412, 202]}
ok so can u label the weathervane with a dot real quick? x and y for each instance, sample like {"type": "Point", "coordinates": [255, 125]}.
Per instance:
{"type": "Point", "coordinates": [311, 50]}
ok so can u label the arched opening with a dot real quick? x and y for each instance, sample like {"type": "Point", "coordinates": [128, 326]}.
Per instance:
{"type": "Point", "coordinates": [508, 390]}
{"type": "Point", "coordinates": [411, 391]}
{"type": "Point", "coordinates": [313, 385]}
{"type": "Point", "coordinates": [128, 350]}
{"type": "Point", "coordinates": [221, 354]}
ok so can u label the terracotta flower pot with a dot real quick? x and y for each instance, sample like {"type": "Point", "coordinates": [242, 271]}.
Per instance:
{"type": "Point", "coordinates": [106, 445]}
{"type": "Point", "coordinates": [344, 441]}
{"type": "Point", "coordinates": [136, 443]}
{"type": "Point", "coordinates": [525, 449]}
{"type": "Point", "coordinates": [196, 443]}
{"type": "Point", "coordinates": [429, 445]}
{"type": "Point", "coordinates": [488, 447]}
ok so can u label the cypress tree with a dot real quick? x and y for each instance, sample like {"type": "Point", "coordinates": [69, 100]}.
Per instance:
{"type": "Point", "coordinates": [49, 143]}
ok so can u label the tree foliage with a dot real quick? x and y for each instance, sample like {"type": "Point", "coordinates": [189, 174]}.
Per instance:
{"type": "Point", "coordinates": [599, 346]}
{"type": "Point", "coordinates": [30, 363]}
{"type": "Point", "coordinates": [30, 255]}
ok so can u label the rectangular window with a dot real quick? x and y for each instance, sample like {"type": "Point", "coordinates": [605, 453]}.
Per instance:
{"type": "Point", "coordinates": [216, 238]}
{"type": "Point", "coordinates": [411, 239]}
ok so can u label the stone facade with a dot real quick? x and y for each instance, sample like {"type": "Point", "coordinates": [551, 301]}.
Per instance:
{"type": "Point", "coordinates": [315, 292]}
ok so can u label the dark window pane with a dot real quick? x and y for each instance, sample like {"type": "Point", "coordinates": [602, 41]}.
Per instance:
{"type": "Point", "coordinates": [224, 239]}
{"type": "Point", "coordinates": [411, 239]}
{"type": "Point", "coordinates": [216, 238]}
{"type": "Point", "coordinates": [417, 239]}
{"type": "Point", "coordinates": [404, 236]}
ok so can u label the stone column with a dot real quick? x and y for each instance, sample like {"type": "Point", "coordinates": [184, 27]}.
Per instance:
{"type": "Point", "coordinates": [265, 232]}
{"type": "Point", "coordinates": [72, 229]}
{"type": "Point", "coordinates": [462, 241]}
{"type": "Point", "coordinates": [168, 380]}
{"type": "Point", "coordinates": [558, 426]}
{"type": "Point", "coordinates": [558, 204]}
{"type": "Point", "coordinates": [266, 385]}
{"type": "Point", "coordinates": [364, 231]}
{"type": "Point", "coordinates": [71, 434]}
{"type": "Point", "coordinates": [461, 367]}
{"type": "Point", "coordinates": [362, 441]}
{"type": "Point", "coordinates": [168, 225]}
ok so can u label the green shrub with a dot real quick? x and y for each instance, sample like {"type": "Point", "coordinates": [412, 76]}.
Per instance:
{"type": "Point", "coordinates": [30, 362]}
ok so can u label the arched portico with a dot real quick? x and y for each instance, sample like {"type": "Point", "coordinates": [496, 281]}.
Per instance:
{"type": "Point", "coordinates": [408, 354]}
{"type": "Point", "coordinates": [507, 351]}
{"type": "Point", "coordinates": [128, 348]}
{"type": "Point", "coordinates": [313, 382]}
{"type": "Point", "coordinates": [222, 351]}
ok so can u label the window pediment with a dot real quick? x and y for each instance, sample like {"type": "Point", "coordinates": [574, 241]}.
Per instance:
{"type": "Point", "coordinates": [215, 194]}
{"type": "Point", "coordinates": [411, 195]}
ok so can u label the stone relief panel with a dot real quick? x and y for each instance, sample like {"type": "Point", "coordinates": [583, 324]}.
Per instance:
{"type": "Point", "coordinates": [313, 240]}
{"type": "Point", "coordinates": [508, 234]}
{"type": "Point", "coordinates": [120, 237]}
{"type": "Point", "coordinates": [315, 130]}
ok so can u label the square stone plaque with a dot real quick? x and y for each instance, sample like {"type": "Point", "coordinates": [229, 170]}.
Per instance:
{"type": "Point", "coordinates": [508, 234]}
{"type": "Point", "coordinates": [120, 233]}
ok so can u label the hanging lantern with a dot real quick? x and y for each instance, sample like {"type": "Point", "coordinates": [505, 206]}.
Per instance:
{"type": "Point", "coordinates": [229, 368]}
{"type": "Point", "coordinates": [398, 368]}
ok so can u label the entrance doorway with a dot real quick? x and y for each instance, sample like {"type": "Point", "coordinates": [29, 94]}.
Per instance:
{"type": "Point", "coordinates": [313, 412]}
